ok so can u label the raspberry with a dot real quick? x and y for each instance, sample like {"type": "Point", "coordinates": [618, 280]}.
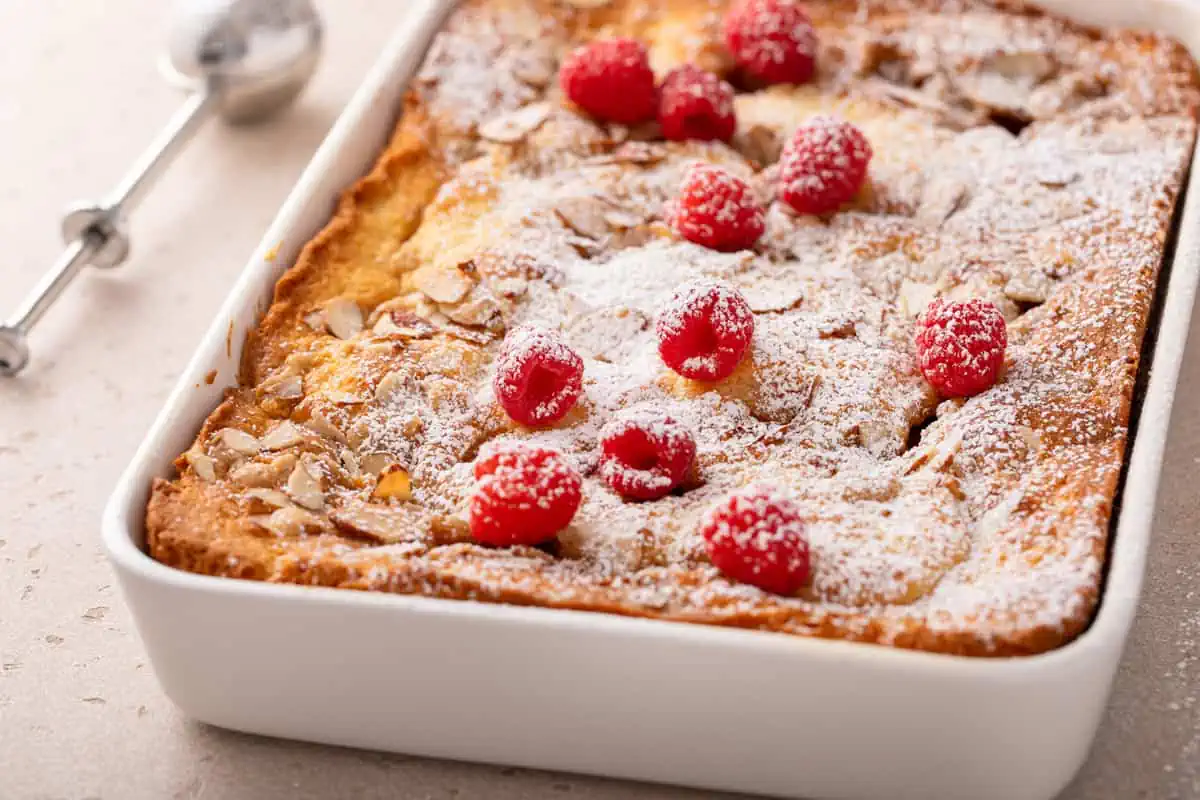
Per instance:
{"type": "Point", "coordinates": [524, 495]}
{"type": "Point", "coordinates": [611, 79]}
{"type": "Point", "coordinates": [538, 377]}
{"type": "Point", "coordinates": [823, 165]}
{"type": "Point", "coordinates": [694, 104]}
{"type": "Point", "coordinates": [756, 536]}
{"type": "Point", "coordinates": [645, 456]}
{"type": "Point", "coordinates": [772, 40]}
{"type": "Point", "coordinates": [716, 210]}
{"type": "Point", "coordinates": [704, 330]}
{"type": "Point", "coordinates": [960, 346]}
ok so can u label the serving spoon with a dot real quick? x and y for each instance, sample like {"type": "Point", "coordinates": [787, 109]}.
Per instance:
{"type": "Point", "coordinates": [242, 60]}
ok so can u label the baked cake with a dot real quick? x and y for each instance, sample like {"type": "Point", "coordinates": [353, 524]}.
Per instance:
{"type": "Point", "coordinates": [1021, 174]}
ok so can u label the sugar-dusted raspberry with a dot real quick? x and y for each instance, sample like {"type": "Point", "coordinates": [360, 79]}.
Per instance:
{"type": "Point", "coordinates": [538, 377]}
{"type": "Point", "coordinates": [823, 165]}
{"type": "Point", "coordinates": [960, 346]}
{"type": "Point", "coordinates": [704, 330]}
{"type": "Point", "coordinates": [773, 41]}
{"type": "Point", "coordinates": [523, 495]}
{"type": "Point", "coordinates": [716, 210]}
{"type": "Point", "coordinates": [695, 104]}
{"type": "Point", "coordinates": [643, 456]}
{"type": "Point", "coordinates": [611, 79]}
{"type": "Point", "coordinates": [756, 536]}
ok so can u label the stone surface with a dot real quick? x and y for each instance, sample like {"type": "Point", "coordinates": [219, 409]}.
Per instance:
{"type": "Point", "coordinates": [81, 715]}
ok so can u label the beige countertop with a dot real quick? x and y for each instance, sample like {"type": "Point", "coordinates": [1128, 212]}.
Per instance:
{"type": "Point", "coordinates": [81, 715]}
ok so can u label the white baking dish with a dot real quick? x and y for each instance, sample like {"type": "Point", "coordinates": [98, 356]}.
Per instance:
{"type": "Point", "coordinates": [586, 692]}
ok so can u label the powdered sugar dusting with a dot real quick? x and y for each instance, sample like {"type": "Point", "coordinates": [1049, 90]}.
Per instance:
{"type": "Point", "coordinates": [975, 525]}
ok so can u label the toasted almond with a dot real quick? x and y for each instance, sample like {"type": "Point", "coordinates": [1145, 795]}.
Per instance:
{"type": "Point", "coordinates": [940, 199]}
{"type": "Point", "coordinates": [288, 521]}
{"type": "Point", "coordinates": [534, 68]}
{"type": "Point", "coordinates": [338, 397]}
{"type": "Point", "coordinates": [350, 462]}
{"type": "Point", "coordinates": [321, 425]}
{"type": "Point", "coordinates": [584, 215]}
{"type": "Point", "coordinates": [283, 387]}
{"type": "Point", "coordinates": [1033, 286]}
{"type": "Point", "coordinates": [760, 144]}
{"type": "Point", "coordinates": [315, 320]}
{"type": "Point", "coordinates": [375, 463]}
{"type": "Point", "coordinates": [238, 441]}
{"type": "Point", "coordinates": [774, 298]}
{"type": "Point", "coordinates": [480, 312]}
{"type": "Point", "coordinates": [269, 497]}
{"type": "Point", "coordinates": [256, 473]}
{"type": "Point", "coordinates": [639, 152]}
{"type": "Point", "coordinates": [394, 484]}
{"type": "Point", "coordinates": [392, 383]}
{"type": "Point", "coordinates": [285, 434]}
{"type": "Point", "coordinates": [914, 297]}
{"type": "Point", "coordinates": [343, 317]}
{"type": "Point", "coordinates": [405, 324]}
{"type": "Point", "coordinates": [515, 125]}
{"type": "Point", "coordinates": [622, 220]}
{"type": "Point", "coordinates": [204, 466]}
{"type": "Point", "coordinates": [442, 283]}
{"type": "Point", "coordinates": [305, 487]}
{"type": "Point", "coordinates": [587, 4]}
{"type": "Point", "coordinates": [382, 524]}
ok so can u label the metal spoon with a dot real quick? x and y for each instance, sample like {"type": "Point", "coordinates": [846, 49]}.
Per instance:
{"type": "Point", "coordinates": [242, 59]}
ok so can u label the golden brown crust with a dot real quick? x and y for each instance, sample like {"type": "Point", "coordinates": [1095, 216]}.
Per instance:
{"type": "Point", "coordinates": [976, 528]}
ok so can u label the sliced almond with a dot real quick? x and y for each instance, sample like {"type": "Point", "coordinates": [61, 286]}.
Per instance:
{"type": "Point", "coordinates": [382, 524]}
{"type": "Point", "coordinates": [392, 383]}
{"type": "Point", "coordinates": [338, 397]}
{"type": "Point", "coordinates": [774, 297]}
{"type": "Point", "coordinates": [343, 317]}
{"type": "Point", "coordinates": [321, 425]}
{"type": "Point", "coordinates": [914, 297]}
{"type": "Point", "coordinates": [394, 484]}
{"type": "Point", "coordinates": [634, 152]}
{"type": "Point", "coordinates": [587, 4]}
{"type": "Point", "coordinates": [305, 487]}
{"type": "Point", "coordinates": [760, 144]}
{"type": "Point", "coordinates": [516, 125]}
{"type": "Point", "coordinates": [289, 521]}
{"type": "Point", "coordinates": [375, 463]}
{"type": "Point", "coordinates": [283, 387]}
{"type": "Point", "coordinates": [510, 287]}
{"type": "Point", "coordinates": [479, 312]}
{"type": "Point", "coordinates": [622, 220]}
{"type": "Point", "coordinates": [204, 466]}
{"type": "Point", "coordinates": [534, 68]}
{"type": "Point", "coordinates": [838, 326]}
{"type": "Point", "coordinates": [442, 283]}
{"type": "Point", "coordinates": [1033, 286]}
{"type": "Point", "coordinates": [315, 320]}
{"type": "Point", "coordinates": [349, 462]}
{"type": "Point", "coordinates": [238, 441]}
{"type": "Point", "coordinates": [952, 115]}
{"type": "Point", "coordinates": [402, 323]}
{"type": "Point", "coordinates": [271, 498]}
{"type": "Point", "coordinates": [258, 474]}
{"type": "Point", "coordinates": [940, 199]}
{"type": "Point", "coordinates": [472, 335]}
{"type": "Point", "coordinates": [285, 434]}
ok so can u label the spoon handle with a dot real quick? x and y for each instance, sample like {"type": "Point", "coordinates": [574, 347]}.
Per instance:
{"type": "Point", "coordinates": [95, 234]}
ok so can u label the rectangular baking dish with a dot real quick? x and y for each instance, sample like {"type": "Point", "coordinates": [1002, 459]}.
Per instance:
{"type": "Point", "coordinates": [631, 698]}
